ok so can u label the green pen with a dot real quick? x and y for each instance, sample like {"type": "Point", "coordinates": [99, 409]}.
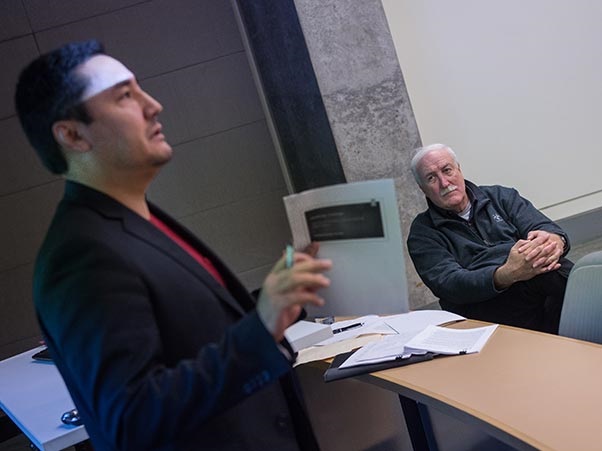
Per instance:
{"type": "Point", "coordinates": [290, 256]}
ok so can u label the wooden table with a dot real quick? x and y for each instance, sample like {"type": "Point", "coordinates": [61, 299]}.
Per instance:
{"type": "Point", "coordinates": [527, 389]}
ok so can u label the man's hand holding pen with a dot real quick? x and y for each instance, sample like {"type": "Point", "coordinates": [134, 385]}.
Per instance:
{"type": "Point", "coordinates": [292, 283]}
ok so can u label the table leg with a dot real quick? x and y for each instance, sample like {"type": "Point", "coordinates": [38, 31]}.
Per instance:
{"type": "Point", "coordinates": [8, 429]}
{"type": "Point", "coordinates": [84, 446]}
{"type": "Point", "coordinates": [419, 425]}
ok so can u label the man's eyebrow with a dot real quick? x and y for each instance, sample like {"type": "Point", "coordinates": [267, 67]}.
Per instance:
{"type": "Point", "coordinates": [123, 83]}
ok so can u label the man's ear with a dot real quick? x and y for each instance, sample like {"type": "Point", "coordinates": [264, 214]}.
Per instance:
{"type": "Point", "coordinates": [69, 135]}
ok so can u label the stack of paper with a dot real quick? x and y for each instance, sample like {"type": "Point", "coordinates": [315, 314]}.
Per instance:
{"type": "Point", "coordinates": [352, 336]}
{"type": "Point", "coordinates": [442, 340]}
{"type": "Point", "coordinates": [438, 340]}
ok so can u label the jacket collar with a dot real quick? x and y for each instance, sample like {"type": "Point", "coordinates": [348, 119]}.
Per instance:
{"type": "Point", "coordinates": [142, 229]}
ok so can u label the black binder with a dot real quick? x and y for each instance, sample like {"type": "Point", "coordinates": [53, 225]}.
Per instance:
{"type": "Point", "coordinates": [334, 373]}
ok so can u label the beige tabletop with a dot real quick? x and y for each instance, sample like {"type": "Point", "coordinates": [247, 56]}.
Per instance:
{"type": "Point", "coordinates": [528, 389]}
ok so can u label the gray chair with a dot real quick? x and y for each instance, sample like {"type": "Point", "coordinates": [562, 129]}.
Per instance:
{"type": "Point", "coordinates": [581, 315]}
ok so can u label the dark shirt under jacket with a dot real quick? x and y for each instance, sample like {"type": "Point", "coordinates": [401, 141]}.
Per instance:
{"type": "Point", "coordinates": [154, 351]}
{"type": "Point", "coordinates": [456, 258]}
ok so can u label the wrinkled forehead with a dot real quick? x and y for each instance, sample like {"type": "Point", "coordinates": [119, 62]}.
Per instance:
{"type": "Point", "coordinates": [102, 72]}
{"type": "Point", "coordinates": [436, 159]}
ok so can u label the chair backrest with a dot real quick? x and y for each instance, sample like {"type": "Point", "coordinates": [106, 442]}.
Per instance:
{"type": "Point", "coordinates": [581, 315]}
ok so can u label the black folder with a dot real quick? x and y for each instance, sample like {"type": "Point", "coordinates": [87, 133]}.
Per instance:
{"type": "Point", "coordinates": [334, 373]}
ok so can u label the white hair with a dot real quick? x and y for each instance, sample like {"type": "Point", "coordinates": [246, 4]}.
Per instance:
{"type": "Point", "coordinates": [421, 152]}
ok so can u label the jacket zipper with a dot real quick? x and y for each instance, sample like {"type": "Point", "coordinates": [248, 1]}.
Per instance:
{"type": "Point", "coordinates": [473, 229]}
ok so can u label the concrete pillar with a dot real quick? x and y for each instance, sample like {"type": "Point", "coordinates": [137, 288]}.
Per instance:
{"type": "Point", "coordinates": [367, 104]}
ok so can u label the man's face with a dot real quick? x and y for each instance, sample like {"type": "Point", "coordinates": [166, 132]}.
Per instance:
{"type": "Point", "coordinates": [442, 181]}
{"type": "Point", "coordinates": [124, 133]}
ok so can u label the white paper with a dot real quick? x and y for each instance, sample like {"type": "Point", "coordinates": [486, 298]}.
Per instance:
{"type": "Point", "coordinates": [315, 353]}
{"type": "Point", "coordinates": [368, 274]}
{"type": "Point", "coordinates": [419, 319]}
{"type": "Point", "coordinates": [439, 340]}
{"type": "Point", "coordinates": [370, 324]}
{"type": "Point", "coordinates": [386, 349]}
{"type": "Point", "coordinates": [443, 340]}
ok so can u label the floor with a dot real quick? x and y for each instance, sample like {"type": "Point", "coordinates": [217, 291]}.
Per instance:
{"type": "Point", "coordinates": [581, 250]}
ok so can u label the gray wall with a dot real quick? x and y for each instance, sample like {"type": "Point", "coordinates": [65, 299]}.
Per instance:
{"type": "Point", "coordinates": [224, 182]}
{"type": "Point", "coordinates": [514, 87]}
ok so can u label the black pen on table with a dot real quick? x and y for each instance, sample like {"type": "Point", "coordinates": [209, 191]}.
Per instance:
{"type": "Point", "coordinates": [346, 328]}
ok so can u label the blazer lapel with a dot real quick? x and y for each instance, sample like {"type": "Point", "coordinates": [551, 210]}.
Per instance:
{"type": "Point", "coordinates": [142, 229]}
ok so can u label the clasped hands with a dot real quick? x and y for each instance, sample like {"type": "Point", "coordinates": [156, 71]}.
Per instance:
{"type": "Point", "coordinates": [538, 254]}
{"type": "Point", "coordinates": [286, 290]}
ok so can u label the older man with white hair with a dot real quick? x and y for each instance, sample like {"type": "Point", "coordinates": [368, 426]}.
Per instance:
{"type": "Point", "coordinates": [486, 252]}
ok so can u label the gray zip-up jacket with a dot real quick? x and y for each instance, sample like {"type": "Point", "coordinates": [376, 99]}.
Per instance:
{"type": "Point", "coordinates": [456, 258]}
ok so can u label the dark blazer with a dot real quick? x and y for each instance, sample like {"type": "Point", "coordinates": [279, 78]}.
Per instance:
{"type": "Point", "coordinates": [154, 351]}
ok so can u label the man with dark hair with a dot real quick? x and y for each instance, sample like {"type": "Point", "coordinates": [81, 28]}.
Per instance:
{"type": "Point", "coordinates": [159, 344]}
{"type": "Point", "coordinates": [484, 251]}
{"type": "Point", "coordinates": [44, 100]}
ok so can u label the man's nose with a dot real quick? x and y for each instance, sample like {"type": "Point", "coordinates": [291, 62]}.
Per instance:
{"type": "Point", "coordinates": [152, 107]}
{"type": "Point", "coordinates": [443, 182]}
